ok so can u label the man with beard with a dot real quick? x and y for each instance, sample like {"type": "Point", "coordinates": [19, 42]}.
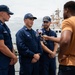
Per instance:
{"type": "Point", "coordinates": [66, 55]}
{"type": "Point", "coordinates": [48, 59]}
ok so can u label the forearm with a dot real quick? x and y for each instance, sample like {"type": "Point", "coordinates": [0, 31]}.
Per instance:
{"type": "Point", "coordinates": [55, 47]}
{"type": "Point", "coordinates": [45, 48]}
{"type": "Point", "coordinates": [5, 50]}
{"type": "Point", "coordinates": [54, 39]}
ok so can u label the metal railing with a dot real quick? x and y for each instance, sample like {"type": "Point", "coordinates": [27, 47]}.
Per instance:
{"type": "Point", "coordinates": [17, 66]}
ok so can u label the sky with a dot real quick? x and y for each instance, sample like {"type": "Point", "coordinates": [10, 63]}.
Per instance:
{"type": "Point", "coordinates": [38, 8]}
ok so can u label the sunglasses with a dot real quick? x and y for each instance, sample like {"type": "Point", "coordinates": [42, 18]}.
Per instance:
{"type": "Point", "coordinates": [45, 21]}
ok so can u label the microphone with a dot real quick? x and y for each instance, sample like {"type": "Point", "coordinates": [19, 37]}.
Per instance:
{"type": "Point", "coordinates": [40, 32]}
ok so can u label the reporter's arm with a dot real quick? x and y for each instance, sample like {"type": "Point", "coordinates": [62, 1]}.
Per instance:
{"type": "Point", "coordinates": [55, 46]}
{"type": "Point", "coordinates": [45, 48]}
{"type": "Point", "coordinates": [55, 39]}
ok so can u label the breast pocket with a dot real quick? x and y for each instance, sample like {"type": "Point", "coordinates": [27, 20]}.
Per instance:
{"type": "Point", "coordinates": [28, 38]}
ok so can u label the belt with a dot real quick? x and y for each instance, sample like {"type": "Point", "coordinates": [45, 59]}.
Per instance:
{"type": "Point", "coordinates": [65, 68]}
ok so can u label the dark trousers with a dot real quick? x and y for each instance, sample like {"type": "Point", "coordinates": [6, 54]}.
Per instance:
{"type": "Point", "coordinates": [4, 71]}
{"type": "Point", "coordinates": [29, 69]}
{"type": "Point", "coordinates": [11, 70]}
{"type": "Point", "coordinates": [8, 71]}
{"type": "Point", "coordinates": [66, 70]}
{"type": "Point", "coordinates": [48, 66]}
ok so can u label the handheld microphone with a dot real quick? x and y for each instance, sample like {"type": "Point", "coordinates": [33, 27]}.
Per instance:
{"type": "Point", "coordinates": [40, 32]}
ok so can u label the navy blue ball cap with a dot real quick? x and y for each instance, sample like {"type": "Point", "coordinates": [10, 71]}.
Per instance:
{"type": "Point", "coordinates": [29, 15]}
{"type": "Point", "coordinates": [5, 9]}
{"type": "Point", "coordinates": [47, 18]}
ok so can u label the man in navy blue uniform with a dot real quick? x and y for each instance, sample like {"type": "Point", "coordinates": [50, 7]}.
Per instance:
{"type": "Point", "coordinates": [48, 60]}
{"type": "Point", "coordinates": [7, 57]}
{"type": "Point", "coordinates": [29, 47]}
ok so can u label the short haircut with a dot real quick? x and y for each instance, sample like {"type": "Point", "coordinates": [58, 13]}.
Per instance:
{"type": "Point", "coordinates": [70, 5]}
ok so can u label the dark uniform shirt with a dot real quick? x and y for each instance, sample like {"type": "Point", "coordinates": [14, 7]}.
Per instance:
{"type": "Point", "coordinates": [6, 36]}
{"type": "Point", "coordinates": [47, 64]}
{"type": "Point", "coordinates": [49, 43]}
{"type": "Point", "coordinates": [27, 43]}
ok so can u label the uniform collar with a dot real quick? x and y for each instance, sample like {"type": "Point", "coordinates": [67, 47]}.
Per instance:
{"type": "Point", "coordinates": [26, 28]}
{"type": "Point", "coordinates": [1, 23]}
{"type": "Point", "coordinates": [46, 30]}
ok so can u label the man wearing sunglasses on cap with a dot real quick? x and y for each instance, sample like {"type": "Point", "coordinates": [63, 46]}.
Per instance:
{"type": "Point", "coordinates": [48, 59]}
